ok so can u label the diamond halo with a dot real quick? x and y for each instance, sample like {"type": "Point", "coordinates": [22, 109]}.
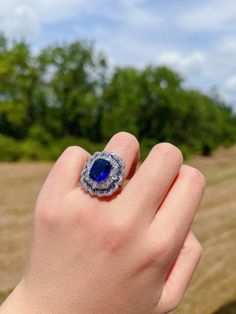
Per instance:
{"type": "Point", "coordinates": [108, 185]}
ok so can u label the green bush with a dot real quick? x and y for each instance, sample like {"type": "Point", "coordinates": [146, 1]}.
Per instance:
{"type": "Point", "coordinates": [10, 149]}
{"type": "Point", "coordinates": [31, 149]}
{"type": "Point", "coordinates": [145, 147]}
{"type": "Point", "coordinates": [39, 134]}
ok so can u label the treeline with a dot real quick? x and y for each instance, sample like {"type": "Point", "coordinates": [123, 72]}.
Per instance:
{"type": "Point", "coordinates": [66, 94]}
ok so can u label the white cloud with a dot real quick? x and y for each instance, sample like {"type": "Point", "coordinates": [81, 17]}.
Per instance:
{"type": "Point", "coordinates": [226, 52]}
{"type": "Point", "coordinates": [141, 19]}
{"type": "Point", "coordinates": [227, 47]}
{"type": "Point", "coordinates": [129, 12]}
{"type": "Point", "coordinates": [127, 42]}
{"type": "Point", "coordinates": [213, 15]}
{"type": "Point", "coordinates": [188, 65]}
{"type": "Point", "coordinates": [25, 20]}
{"type": "Point", "coordinates": [46, 11]}
{"type": "Point", "coordinates": [230, 84]}
{"type": "Point", "coordinates": [22, 23]}
{"type": "Point", "coordinates": [206, 71]}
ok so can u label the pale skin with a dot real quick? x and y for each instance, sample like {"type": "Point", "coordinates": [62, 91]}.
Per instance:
{"type": "Point", "coordinates": [132, 253]}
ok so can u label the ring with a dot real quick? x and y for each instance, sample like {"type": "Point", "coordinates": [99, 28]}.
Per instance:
{"type": "Point", "coordinates": [103, 174]}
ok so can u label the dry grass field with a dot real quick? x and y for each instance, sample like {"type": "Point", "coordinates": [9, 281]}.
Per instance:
{"type": "Point", "coordinates": [214, 284]}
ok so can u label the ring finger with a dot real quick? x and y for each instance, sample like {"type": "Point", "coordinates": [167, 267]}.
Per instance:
{"type": "Point", "coordinates": [126, 146]}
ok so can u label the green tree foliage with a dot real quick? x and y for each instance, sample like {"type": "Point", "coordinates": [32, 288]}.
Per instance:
{"type": "Point", "coordinates": [66, 94]}
{"type": "Point", "coordinates": [72, 75]}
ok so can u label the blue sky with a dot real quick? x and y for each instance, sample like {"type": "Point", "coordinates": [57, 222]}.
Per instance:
{"type": "Point", "coordinates": [195, 38]}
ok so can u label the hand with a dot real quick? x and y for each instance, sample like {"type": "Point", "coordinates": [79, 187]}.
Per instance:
{"type": "Point", "coordinates": [131, 253]}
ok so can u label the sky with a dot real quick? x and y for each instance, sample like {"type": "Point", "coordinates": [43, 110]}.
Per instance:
{"type": "Point", "coordinates": [195, 38]}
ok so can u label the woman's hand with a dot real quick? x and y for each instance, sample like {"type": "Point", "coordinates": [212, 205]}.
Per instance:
{"type": "Point", "coordinates": [132, 253]}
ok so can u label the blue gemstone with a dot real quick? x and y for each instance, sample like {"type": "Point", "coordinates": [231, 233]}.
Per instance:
{"type": "Point", "coordinates": [100, 170]}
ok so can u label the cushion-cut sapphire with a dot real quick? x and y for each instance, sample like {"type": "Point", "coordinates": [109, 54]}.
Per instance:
{"type": "Point", "coordinates": [100, 170]}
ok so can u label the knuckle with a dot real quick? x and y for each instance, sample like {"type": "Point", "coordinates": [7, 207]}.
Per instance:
{"type": "Point", "coordinates": [163, 247]}
{"type": "Point", "coordinates": [48, 218]}
{"type": "Point", "coordinates": [83, 216]}
{"type": "Point", "coordinates": [117, 234]}
{"type": "Point", "coordinates": [169, 151]}
{"type": "Point", "coordinates": [195, 176]}
{"type": "Point", "coordinates": [160, 250]}
{"type": "Point", "coordinates": [120, 227]}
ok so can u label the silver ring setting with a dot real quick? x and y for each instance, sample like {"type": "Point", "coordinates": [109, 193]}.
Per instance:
{"type": "Point", "coordinates": [102, 174]}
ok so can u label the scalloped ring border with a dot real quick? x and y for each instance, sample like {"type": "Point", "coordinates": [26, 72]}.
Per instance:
{"type": "Point", "coordinates": [114, 180]}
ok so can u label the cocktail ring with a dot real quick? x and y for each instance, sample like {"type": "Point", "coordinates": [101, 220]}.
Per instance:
{"type": "Point", "coordinates": [103, 174]}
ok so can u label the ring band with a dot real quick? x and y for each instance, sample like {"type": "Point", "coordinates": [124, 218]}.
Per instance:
{"type": "Point", "coordinates": [102, 174]}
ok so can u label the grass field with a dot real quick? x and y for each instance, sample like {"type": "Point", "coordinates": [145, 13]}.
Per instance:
{"type": "Point", "coordinates": [214, 284]}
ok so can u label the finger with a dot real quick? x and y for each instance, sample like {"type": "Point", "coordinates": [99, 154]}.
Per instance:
{"type": "Point", "coordinates": [180, 275]}
{"type": "Point", "coordinates": [126, 146]}
{"type": "Point", "coordinates": [174, 218]}
{"type": "Point", "coordinates": [151, 181]}
{"type": "Point", "coordinates": [64, 175]}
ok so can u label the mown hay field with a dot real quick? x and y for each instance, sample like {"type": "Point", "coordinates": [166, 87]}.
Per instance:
{"type": "Point", "coordinates": [214, 284]}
